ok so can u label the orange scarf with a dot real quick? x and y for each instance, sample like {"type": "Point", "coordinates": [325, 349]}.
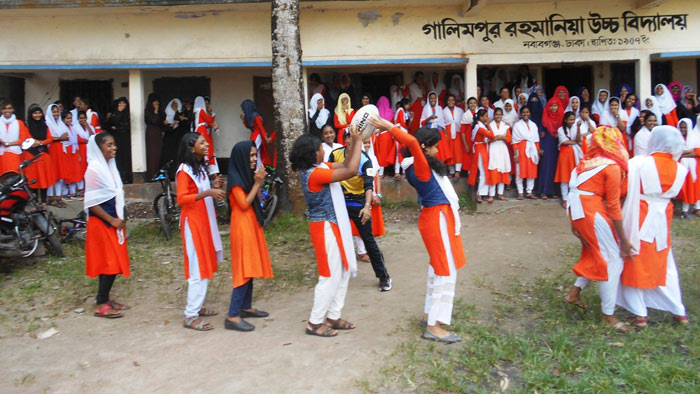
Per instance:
{"type": "Point", "coordinates": [606, 147]}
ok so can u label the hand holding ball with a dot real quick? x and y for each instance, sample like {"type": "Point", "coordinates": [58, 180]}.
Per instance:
{"type": "Point", "coordinates": [361, 120]}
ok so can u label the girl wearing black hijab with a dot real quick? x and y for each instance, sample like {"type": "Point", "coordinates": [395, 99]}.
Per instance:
{"type": "Point", "coordinates": [155, 121]}
{"type": "Point", "coordinates": [41, 171]}
{"type": "Point", "coordinates": [249, 256]}
{"type": "Point", "coordinates": [119, 125]}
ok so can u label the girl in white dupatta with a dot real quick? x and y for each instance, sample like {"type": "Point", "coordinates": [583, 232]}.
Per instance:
{"type": "Point", "coordinates": [201, 241]}
{"type": "Point", "coordinates": [570, 154]}
{"type": "Point", "coordinates": [526, 153]}
{"type": "Point", "coordinates": [667, 105]}
{"type": "Point", "coordinates": [510, 114]}
{"type": "Point", "coordinates": [690, 193]}
{"type": "Point", "coordinates": [651, 280]}
{"type": "Point", "coordinates": [499, 157]}
{"type": "Point", "coordinates": [330, 230]}
{"type": "Point", "coordinates": [451, 117]}
{"type": "Point", "coordinates": [106, 253]}
{"type": "Point", "coordinates": [600, 105]}
{"type": "Point", "coordinates": [652, 104]}
{"type": "Point", "coordinates": [574, 106]}
{"type": "Point", "coordinates": [439, 224]}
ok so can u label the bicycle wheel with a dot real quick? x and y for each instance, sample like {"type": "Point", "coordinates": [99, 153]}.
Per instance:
{"type": "Point", "coordinates": [162, 212]}
{"type": "Point", "coordinates": [269, 210]}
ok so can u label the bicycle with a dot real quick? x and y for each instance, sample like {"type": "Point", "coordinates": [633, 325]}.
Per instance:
{"type": "Point", "coordinates": [268, 195]}
{"type": "Point", "coordinates": [76, 228]}
{"type": "Point", "coordinates": [164, 205]}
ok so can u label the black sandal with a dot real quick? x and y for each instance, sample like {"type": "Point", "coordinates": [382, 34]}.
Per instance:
{"type": "Point", "coordinates": [315, 330]}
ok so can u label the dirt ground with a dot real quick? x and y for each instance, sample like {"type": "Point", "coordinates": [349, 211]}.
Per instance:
{"type": "Point", "coordinates": [149, 351]}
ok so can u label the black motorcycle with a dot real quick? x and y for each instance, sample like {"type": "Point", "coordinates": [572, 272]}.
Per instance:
{"type": "Point", "coordinates": [23, 221]}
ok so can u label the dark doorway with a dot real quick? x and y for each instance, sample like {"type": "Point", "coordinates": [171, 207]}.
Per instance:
{"type": "Point", "coordinates": [622, 73]}
{"type": "Point", "coordinates": [12, 89]}
{"type": "Point", "coordinates": [661, 72]}
{"type": "Point", "coordinates": [183, 88]}
{"type": "Point", "coordinates": [99, 93]}
{"type": "Point", "coordinates": [375, 84]}
{"type": "Point", "coordinates": [570, 77]}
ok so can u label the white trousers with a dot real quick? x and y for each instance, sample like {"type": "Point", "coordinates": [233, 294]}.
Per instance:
{"type": "Point", "coordinates": [440, 292]}
{"type": "Point", "coordinates": [610, 251]}
{"type": "Point", "coordinates": [519, 181]}
{"type": "Point", "coordinates": [665, 298]}
{"type": "Point", "coordinates": [686, 206]}
{"type": "Point", "coordinates": [359, 245]}
{"type": "Point", "coordinates": [329, 294]}
{"type": "Point", "coordinates": [196, 287]}
{"type": "Point", "coordinates": [56, 189]}
{"type": "Point", "coordinates": [483, 188]}
{"type": "Point", "coordinates": [397, 163]}
{"type": "Point", "coordinates": [564, 191]}
{"type": "Point", "coordinates": [492, 189]}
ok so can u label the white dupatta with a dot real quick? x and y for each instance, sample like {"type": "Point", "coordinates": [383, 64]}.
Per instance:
{"type": "Point", "coordinates": [527, 131]}
{"type": "Point", "coordinates": [570, 134]}
{"type": "Point", "coordinates": [452, 118]}
{"type": "Point", "coordinates": [202, 182]}
{"type": "Point", "coordinates": [341, 215]}
{"type": "Point", "coordinates": [9, 132]}
{"type": "Point", "coordinates": [447, 189]}
{"type": "Point", "coordinates": [692, 142]}
{"type": "Point", "coordinates": [103, 183]}
{"type": "Point", "coordinates": [499, 158]}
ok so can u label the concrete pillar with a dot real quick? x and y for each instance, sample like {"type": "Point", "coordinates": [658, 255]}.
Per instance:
{"type": "Point", "coordinates": [470, 79]}
{"type": "Point", "coordinates": [137, 103]}
{"type": "Point", "coordinates": [643, 71]}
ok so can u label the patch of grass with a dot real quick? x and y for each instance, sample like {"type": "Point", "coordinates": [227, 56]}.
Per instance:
{"type": "Point", "coordinates": [400, 204]}
{"type": "Point", "coordinates": [467, 203]}
{"type": "Point", "coordinates": [533, 342]}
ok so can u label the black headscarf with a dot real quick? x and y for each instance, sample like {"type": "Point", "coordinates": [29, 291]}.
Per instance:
{"type": "Point", "coordinates": [250, 111]}
{"type": "Point", "coordinates": [240, 174]}
{"type": "Point", "coordinates": [37, 128]}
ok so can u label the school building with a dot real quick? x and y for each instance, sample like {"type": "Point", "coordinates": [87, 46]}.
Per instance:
{"type": "Point", "coordinates": [104, 49]}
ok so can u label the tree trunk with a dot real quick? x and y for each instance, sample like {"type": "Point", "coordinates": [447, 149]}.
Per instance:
{"type": "Point", "coordinates": [288, 94]}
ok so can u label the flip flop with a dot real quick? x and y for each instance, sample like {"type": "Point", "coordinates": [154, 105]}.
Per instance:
{"type": "Point", "coordinates": [449, 339]}
{"type": "Point", "coordinates": [117, 306]}
{"type": "Point", "coordinates": [103, 312]}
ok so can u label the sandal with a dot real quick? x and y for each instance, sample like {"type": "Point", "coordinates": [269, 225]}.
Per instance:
{"type": "Point", "coordinates": [621, 327]}
{"type": "Point", "coordinates": [639, 321]}
{"type": "Point", "coordinates": [531, 196]}
{"type": "Point", "coordinates": [521, 197]}
{"type": "Point", "coordinates": [478, 199]}
{"type": "Point", "coordinates": [697, 212]}
{"type": "Point", "coordinates": [117, 306]}
{"type": "Point", "coordinates": [341, 324]}
{"type": "Point", "coordinates": [197, 324]}
{"type": "Point", "coordinates": [207, 312]}
{"type": "Point", "coordinates": [315, 329]}
{"type": "Point", "coordinates": [108, 312]}
{"type": "Point", "coordinates": [490, 200]}
{"type": "Point", "coordinates": [579, 303]}
{"type": "Point", "coordinates": [501, 198]}
{"type": "Point", "coordinates": [544, 197]}
{"type": "Point", "coordinates": [682, 320]}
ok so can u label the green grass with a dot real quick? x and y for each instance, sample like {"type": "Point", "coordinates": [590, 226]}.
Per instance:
{"type": "Point", "coordinates": [533, 342]}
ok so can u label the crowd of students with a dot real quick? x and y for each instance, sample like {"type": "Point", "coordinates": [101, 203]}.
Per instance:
{"type": "Point", "coordinates": [522, 137]}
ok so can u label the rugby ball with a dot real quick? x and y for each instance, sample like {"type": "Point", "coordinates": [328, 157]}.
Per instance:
{"type": "Point", "coordinates": [361, 120]}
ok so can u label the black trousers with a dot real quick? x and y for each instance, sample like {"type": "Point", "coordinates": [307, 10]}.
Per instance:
{"type": "Point", "coordinates": [365, 230]}
{"type": "Point", "coordinates": [106, 282]}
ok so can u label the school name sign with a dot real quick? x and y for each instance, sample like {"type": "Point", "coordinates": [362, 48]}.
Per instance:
{"type": "Point", "coordinates": [556, 25]}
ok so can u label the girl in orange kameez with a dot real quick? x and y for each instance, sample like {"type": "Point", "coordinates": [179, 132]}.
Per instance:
{"type": "Point", "coordinates": [106, 253]}
{"type": "Point", "coordinates": [596, 219]}
{"type": "Point", "coordinates": [253, 121]}
{"type": "Point", "coordinates": [249, 256]}
{"type": "Point", "coordinates": [690, 193]}
{"type": "Point", "coordinates": [203, 123]}
{"type": "Point", "coordinates": [200, 234]}
{"type": "Point", "coordinates": [570, 154]}
{"type": "Point", "coordinates": [439, 225]}
{"type": "Point", "coordinates": [651, 278]}
{"type": "Point", "coordinates": [12, 133]}
{"type": "Point", "coordinates": [343, 116]}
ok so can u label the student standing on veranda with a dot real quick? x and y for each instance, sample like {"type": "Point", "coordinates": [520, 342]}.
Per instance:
{"type": "Point", "coordinates": [249, 256]}
{"type": "Point", "coordinates": [526, 153]}
{"type": "Point", "coordinates": [329, 227]}
{"type": "Point", "coordinates": [439, 225]}
{"type": "Point", "coordinates": [596, 219]}
{"type": "Point", "coordinates": [690, 193]}
{"type": "Point", "coordinates": [200, 235]}
{"type": "Point", "coordinates": [651, 280]}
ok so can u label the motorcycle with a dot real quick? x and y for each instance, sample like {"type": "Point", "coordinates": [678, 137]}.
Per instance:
{"type": "Point", "coordinates": [23, 221]}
